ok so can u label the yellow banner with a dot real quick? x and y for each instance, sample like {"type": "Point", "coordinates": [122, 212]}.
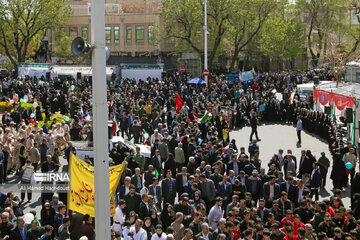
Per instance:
{"type": "Point", "coordinates": [82, 196]}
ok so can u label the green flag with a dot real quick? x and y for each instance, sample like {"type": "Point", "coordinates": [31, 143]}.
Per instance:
{"type": "Point", "coordinates": [156, 173]}
{"type": "Point", "coordinates": [207, 116]}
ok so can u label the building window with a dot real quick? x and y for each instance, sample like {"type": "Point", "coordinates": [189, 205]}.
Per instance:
{"type": "Point", "coordinates": [116, 34]}
{"type": "Point", "coordinates": [107, 35]}
{"type": "Point", "coordinates": [73, 33]}
{"type": "Point", "coordinates": [139, 34]}
{"type": "Point", "coordinates": [84, 33]}
{"type": "Point", "coordinates": [150, 34]}
{"type": "Point", "coordinates": [128, 34]}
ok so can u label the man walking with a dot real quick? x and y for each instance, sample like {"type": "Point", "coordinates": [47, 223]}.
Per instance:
{"type": "Point", "coordinates": [324, 164]}
{"type": "Point", "coordinates": [253, 123]}
{"type": "Point", "coordinates": [299, 129]}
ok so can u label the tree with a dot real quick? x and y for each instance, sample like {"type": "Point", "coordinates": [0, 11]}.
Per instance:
{"type": "Point", "coordinates": [181, 24]}
{"type": "Point", "coordinates": [219, 12]}
{"type": "Point", "coordinates": [322, 18]}
{"type": "Point", "coordinates": [183, 20]}
{"type": "Point", "coordinates": [63, 46]}
{"type": "Point", "coordinates": [343, 43]}
{"type": "Point", "coordinates": [282, 37]}
{"type": "Point", "coordinates": [23, 24]}
{"type": "Point", "coordinates": [246, 21]}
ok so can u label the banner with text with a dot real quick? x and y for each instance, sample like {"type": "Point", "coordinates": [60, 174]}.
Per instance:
{"type": "Point", "coordinates": [82, 195]}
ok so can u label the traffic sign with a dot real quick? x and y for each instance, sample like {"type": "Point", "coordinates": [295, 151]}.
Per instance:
{"type": "Point", "coordinates": [206, 72]}
{"type": "Point", "coordinates": [182, 69]}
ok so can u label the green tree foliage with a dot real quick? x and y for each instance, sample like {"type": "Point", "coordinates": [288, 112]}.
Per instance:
{"type": "Point", "coordinates": [182, 22]}
{"type": "Point", "coordinates": [283, 36]}
{"type": "Point", "coordinates": [63, 45]}
{"type": "Point", "coordinates": [280, 29]}
{"type": "Point", "coordinates": [247, 20]}
{"type": "Point", "coordinates": [23, 24]}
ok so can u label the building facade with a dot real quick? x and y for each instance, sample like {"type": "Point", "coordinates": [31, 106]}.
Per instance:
{"type": "Point", "coordinates": [129, 30]}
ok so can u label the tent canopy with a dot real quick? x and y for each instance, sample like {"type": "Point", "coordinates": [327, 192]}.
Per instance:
{"type": "Point", "coordinates": [352, 89]}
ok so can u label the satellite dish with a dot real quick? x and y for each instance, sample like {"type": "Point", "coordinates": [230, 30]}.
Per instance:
{"type": "Point", "coordinates": [79, 46]}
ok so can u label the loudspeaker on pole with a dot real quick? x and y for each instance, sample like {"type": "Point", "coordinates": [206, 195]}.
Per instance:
{"type": "Point", "coordinates": [349, 115]}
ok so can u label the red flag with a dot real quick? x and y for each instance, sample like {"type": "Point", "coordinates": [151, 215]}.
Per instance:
{"type": "Point", "coordinates": [195, 117]}
{"type": "Point", "coordinates": [179, 103]}
{"type": "Point", "coordinates": [114, 124]}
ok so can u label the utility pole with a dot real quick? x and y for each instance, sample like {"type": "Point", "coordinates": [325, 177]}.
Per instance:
{"type": "Point", "coordinates": [101, 160]}
{"type": "Point", "coordinates": [205, 41]}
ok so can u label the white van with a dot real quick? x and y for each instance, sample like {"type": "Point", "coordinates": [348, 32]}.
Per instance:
{"type": "Point", "coordinates": [306, 88]}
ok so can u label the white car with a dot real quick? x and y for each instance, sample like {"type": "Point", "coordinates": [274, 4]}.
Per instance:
{"type": "Point", "coordinates": [84, 148]}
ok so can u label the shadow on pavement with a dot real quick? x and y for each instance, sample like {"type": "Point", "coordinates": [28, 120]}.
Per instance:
{"type": "Point", "coordinates": [324, 193]}
{"type": "Point", "coordinates": [33, 204]}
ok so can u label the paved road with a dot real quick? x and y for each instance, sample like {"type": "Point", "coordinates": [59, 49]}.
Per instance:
{"type": "Point", "coordinates": [276, 136]}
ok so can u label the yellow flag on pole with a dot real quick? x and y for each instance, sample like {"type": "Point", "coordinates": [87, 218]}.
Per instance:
{"type": "Point", "coordinates": [82, 195]}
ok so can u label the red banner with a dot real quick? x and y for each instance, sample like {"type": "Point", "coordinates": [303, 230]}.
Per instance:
{"type": "Point", "coordinates": [324, 97]}
{"type": "Point", "coordinates": [342, 101]}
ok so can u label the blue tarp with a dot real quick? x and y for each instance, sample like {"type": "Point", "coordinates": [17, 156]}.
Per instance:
{"type": "Point", "coordinates": [228, 75]}
{"type": "Point", "coordinates": [196, 81]}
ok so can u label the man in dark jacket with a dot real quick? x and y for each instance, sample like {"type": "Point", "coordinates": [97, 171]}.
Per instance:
{"type": "Point", "coordinates": [254, 186]}
{"type": "Point", "coordinates": [132, 200]}
{"type": "Point", "coordinates": [305, 164]}
{"type": "Point", "coordinates": [68, 150]}
{"type": "Point", "coordinates": [290, 188]}
{"type": "Point", "coordinates": [124, 125]}
{"type": "Point", "coordinates": [49, 166]}
{"type": "Point", "coordinates": [324, 165]}
{"type": "Point", "coordinates": [35, 232]}
{"type": "Point", "coordinates": [5, 225]}
{"type": "Point", "coordinates": [58, 219]}
{"type": "Point", "coordinates": [19, 232]}
{"type": "Point", "coordinates": [268, 195]}
{"type": "Point", "coordinates": [144, 207]}
{"type": "Point", "coordinates": [315, 181]}
{"type": "Point", "coordinates": [87, 228]}
{"type": "Point", "coordinates": [43, 150]}
{"type": "Point", "coordinates": [253, 124]}
{"type": "Point", "coordinates": [168, 187]}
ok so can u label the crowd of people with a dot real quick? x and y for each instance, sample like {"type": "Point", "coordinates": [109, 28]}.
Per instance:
{"type": "Point", "coordinates": [198, 184]}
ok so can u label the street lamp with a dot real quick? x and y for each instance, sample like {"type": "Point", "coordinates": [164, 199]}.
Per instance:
{"type": "Point", "coordinates": [100, 53]}
{"type": "Point", "coordinates": [205, 41]}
